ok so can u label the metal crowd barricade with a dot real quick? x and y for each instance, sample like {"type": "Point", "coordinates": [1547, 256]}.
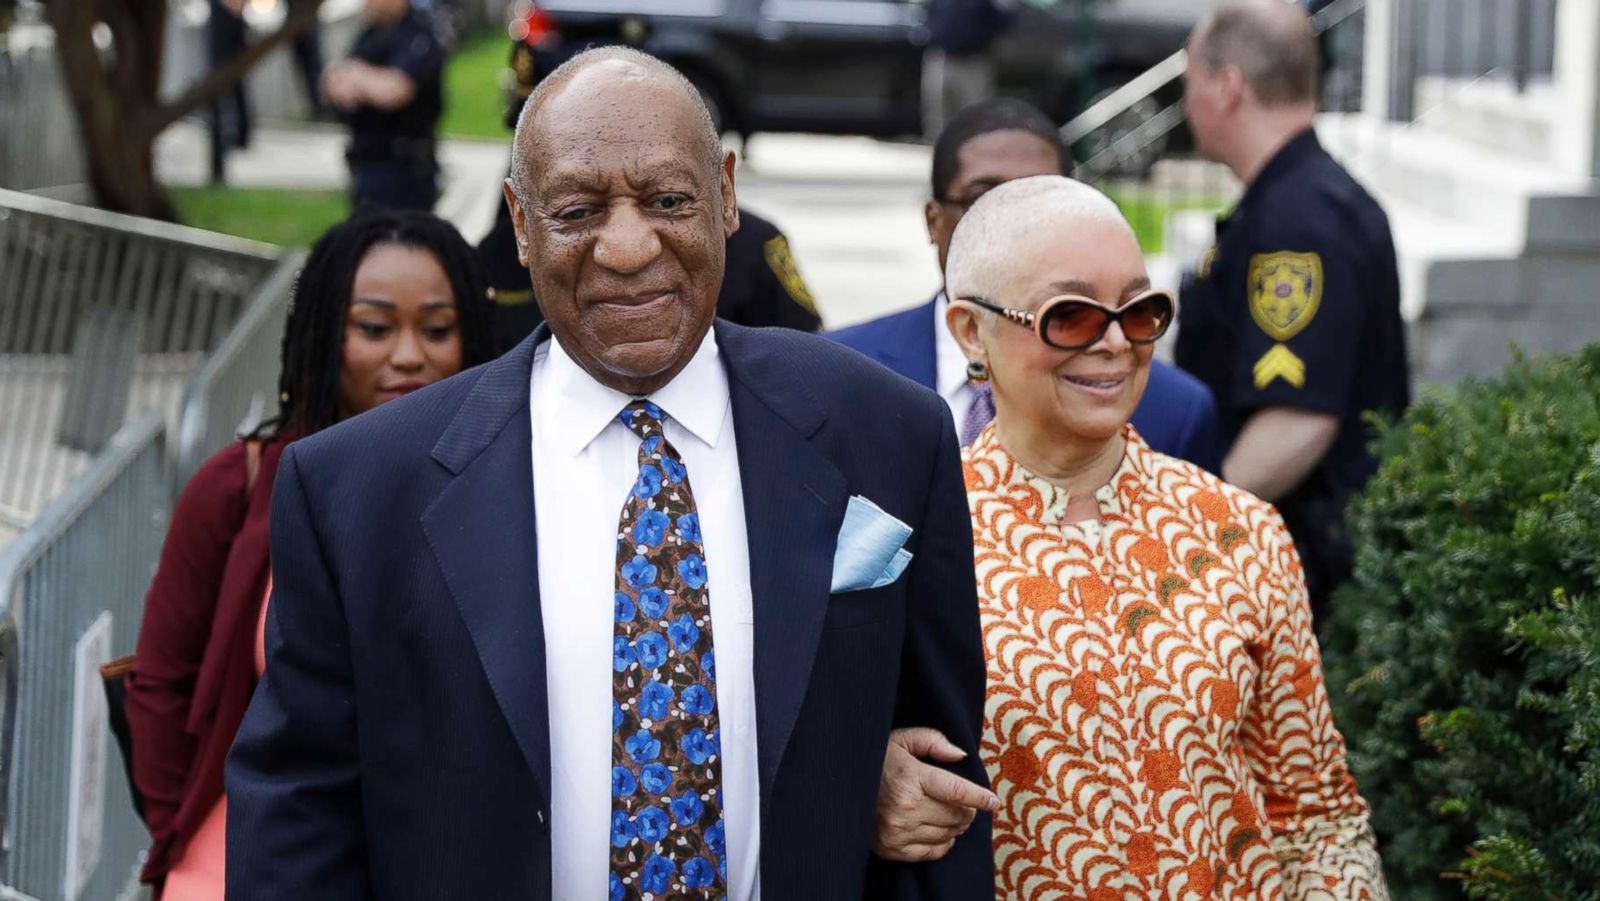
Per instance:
{"type": "Point", "coordinates": [71, 595]}
{"type": "Point", "coordinates": [102, 317]}
{"type": "Point", "coordinates": [183, 328]}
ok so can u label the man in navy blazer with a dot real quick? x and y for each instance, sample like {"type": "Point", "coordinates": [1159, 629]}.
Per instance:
{"type": "Point", "coordinates": [985, 145]}
{"type": "Point", "coordinates": [443, 685]}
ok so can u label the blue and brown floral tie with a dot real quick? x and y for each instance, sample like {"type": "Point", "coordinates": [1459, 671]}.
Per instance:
{"type": "Point", "coordinates": [667, 834]}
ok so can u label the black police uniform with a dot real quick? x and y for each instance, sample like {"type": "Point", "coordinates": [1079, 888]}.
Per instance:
{"type": "Point", "coordinates": [227, 35]}
{"type": "Point", "coordinates": [392, 152]}
{"type": "Point", "coordinates": [761, 284]}
{"type": "Point", "coordinates": [1298, 305]}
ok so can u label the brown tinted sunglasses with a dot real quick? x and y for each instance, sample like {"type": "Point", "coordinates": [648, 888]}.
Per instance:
{"type": "Point", "coordinates": [1073, 322]}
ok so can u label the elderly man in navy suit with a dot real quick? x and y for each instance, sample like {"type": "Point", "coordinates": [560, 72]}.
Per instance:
{"type": "Point", "coordinates": [630, 612]}
{"type": "Point", "coordinates": [989, 144]}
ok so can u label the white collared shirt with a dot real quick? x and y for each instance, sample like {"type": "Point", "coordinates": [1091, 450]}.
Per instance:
{"type": "Point", "coordinates": [950, 365]}
{"type": "Point", "coordinates": [584, 463]}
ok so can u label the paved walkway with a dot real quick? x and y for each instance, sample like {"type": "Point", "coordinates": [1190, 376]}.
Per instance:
{"type": "Point", "coordinates": [312, 157]}
{"type": "Point", "coordinates": [852, 207]}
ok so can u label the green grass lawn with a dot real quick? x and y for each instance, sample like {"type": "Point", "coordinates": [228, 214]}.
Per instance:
{"type": "Point", "coordinates": [474, 108]}
{"type": "Point", "coordinates": [285, 218]}
{"type": "Point", "coordinates": [474, 101]}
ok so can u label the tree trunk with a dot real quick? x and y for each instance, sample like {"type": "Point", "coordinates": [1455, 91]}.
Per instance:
{"type": "Point", "coordinates": [116, 95]}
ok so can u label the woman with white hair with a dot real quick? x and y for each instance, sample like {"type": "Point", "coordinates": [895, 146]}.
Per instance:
{"type": "Point", "coordinates": [1156, 723]}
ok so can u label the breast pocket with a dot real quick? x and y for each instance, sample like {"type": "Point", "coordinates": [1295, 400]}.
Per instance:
{"type": "Point", "coordinates": [854, 609]}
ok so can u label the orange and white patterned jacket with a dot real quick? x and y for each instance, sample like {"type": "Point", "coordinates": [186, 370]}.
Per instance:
{"type": "Point", "coordinates": [1156, 724]}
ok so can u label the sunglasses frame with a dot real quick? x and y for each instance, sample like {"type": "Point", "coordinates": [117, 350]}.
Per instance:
{"type": "Point", "coordinates": [1034, 321]}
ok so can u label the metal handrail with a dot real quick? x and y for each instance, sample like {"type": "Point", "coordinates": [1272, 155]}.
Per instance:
{"type": "Point", "coordinates": [1147, 133]}
{"type": "Point", "coordinates": [1147, 83]}
{"type": "Point", "coordinates": [144, 228]}
{"type": "Point", "coordinates": [1122, 99]}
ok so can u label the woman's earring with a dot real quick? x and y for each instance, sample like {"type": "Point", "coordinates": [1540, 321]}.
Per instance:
{"type": "Point", "coordinates": [977, 372]}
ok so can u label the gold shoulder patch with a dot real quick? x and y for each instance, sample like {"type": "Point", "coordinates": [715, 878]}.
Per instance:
{"type": "Point", "coordinates": [1285, 291]}
{"type": "Point", "coordinates": [781, 259]}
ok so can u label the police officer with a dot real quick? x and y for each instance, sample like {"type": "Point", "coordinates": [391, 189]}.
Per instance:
{"type": "Point", "coordinates": [226, 37]}
{"type": "Point", "coordinates": [389, 91]}
{"type": "Point", "coordinates": [1293, 318]}
{"type": "Point", "coordinates": [761, 284]}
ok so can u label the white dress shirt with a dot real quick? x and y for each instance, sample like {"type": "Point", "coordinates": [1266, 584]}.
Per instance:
{"type": "Point", "coordinates": [950, 365]}
{"type": "Point", "coordinates": [584, 463]}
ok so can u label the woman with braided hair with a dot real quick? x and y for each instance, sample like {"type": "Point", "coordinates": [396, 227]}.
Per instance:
{"type": "Point", "coordinates": [388, 303]}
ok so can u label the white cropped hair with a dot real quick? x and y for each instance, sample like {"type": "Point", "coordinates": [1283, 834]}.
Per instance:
{"type": "Point", "coordinates": [1005, 215]}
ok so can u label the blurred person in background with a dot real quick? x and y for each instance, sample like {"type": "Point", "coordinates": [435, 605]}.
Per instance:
{"type": "Point", "coordinates": [957, 70]}
{"type": "Point", "coordinates": [985, 146]}
{"type": "Point", "coordinates": [1293, 317]}
{"type": "Point", "coordinates": [226, 36]}
{"type": "Point", "coordinates": [1156, 723]}
{"type": "Point", "coordinates": [389, 90]}
{"type": "Point", "coordinates": [308, 61]}
{"type": "Point", "coordinates": [387, 303]}
{"type": "Point", "coordinates": [762, 284]}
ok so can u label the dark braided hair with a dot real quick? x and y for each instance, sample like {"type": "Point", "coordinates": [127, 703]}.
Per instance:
{"type": "Point", "coordinates": [313, 339]}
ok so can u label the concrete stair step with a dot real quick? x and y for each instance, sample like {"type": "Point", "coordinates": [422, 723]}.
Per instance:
{"type": "Point", "coordinates": [1490, 113]}
{"type": "Point", "coordinates": [1564, 224]}
{"type": "Point", "coordinates": [1553, 309]}
{"type": "Point", "coordinates": [1434, 249]}
{"type": "Point", "coordinates": [1451, 178]}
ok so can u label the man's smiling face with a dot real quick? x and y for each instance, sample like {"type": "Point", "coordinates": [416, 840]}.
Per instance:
{"type": "Point", "coordinates": [625, 222]}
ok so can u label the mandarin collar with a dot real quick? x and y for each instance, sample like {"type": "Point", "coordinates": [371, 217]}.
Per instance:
{"type": "Point", "coordinates": [1007, 477]}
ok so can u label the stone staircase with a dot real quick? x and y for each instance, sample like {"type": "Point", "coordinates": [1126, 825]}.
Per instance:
{"type": "Point", "coordinates": [1497, 245]}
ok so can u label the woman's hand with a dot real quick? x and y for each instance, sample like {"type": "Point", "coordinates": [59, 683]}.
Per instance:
{"type": "Point", "coordinates": [923, 809]}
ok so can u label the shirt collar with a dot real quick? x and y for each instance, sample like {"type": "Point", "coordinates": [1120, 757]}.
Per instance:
{"type": "Point", "coordinates": [696, 398]}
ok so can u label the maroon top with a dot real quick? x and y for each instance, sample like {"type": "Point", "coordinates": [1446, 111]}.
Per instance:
{"type": "Point", "coordinates": [194, 668]}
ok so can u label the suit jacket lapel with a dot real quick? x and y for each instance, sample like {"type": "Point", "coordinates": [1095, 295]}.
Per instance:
{"type": "Point", "coordinates": [481, 530]}
{"type": "Point", "coordinates": [794, 501]}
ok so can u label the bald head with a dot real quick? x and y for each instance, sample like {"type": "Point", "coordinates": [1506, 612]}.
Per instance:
{"type": "Point", "coordinates": [594, 76]}
{"type": "Point", "coordinates": [1270, 41]}
{"type": "Point", "coordinates": [982, 253]}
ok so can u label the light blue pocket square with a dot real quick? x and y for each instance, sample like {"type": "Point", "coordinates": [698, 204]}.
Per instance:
{"type": "Point", "coordinates": [871, 550]}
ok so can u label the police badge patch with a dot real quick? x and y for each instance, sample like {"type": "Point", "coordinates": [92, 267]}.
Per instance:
{"type": "Point", "coordinates": [1285, 291]}
{"type": "Point", "coordinates": [781, 259]}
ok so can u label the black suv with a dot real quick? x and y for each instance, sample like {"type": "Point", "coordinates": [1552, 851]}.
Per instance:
{"type": "Point", "coordinates": [854, 66]}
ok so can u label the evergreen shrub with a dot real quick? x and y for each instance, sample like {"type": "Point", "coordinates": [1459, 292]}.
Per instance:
{"type": "Point", "coordinates": [1464, 658]}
